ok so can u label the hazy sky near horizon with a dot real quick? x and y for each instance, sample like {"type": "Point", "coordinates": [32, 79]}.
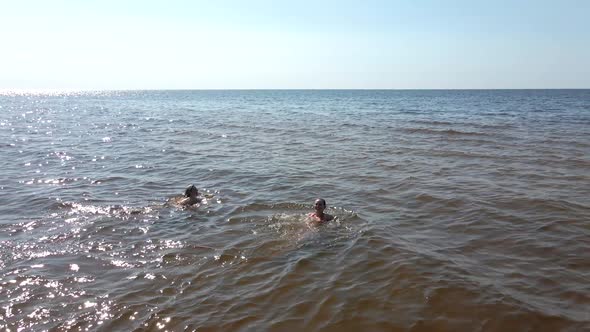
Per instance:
{"type": "Point", "coordinates": [254, 44]}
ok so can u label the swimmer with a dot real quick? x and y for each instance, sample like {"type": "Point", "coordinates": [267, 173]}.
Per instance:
{"type": "Point", "coordinates": [319, 215]}
{"type": "Point", "coordinates": [191, 196]}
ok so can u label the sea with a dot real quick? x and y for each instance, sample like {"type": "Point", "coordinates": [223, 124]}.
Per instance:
{"type": "Point", "coordinates": [455, 210]}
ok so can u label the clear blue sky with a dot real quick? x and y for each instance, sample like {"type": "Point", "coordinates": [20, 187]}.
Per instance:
{"type": "Point", "coordinates": [250, 44]}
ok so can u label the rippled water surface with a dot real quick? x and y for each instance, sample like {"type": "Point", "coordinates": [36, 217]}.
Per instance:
{"type": "Point", "coordinates": [455, 211]}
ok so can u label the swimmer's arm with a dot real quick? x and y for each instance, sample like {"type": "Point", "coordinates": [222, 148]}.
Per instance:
{"type": "Point", "coordinates": [184, 201]}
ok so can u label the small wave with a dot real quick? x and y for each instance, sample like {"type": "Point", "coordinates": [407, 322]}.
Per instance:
{"type": "Point", "coordinates": [452, 153]}
{"type": "Point", "coordinates": [413, 111]}
{"type": "Point", "coordinates": [433, 122]}
{"type": "Point", "coordinates": [445, 132]}
{"type": "Point", "coordinates": [277, 206]}
{"type": "Point", "coordinates": [110, 210]}
{"type": "Point", "coordinates": [464, 124]}
{"type": "Point", "coordinates": [56, 181]}
{"type": "Point", "coordinates": [109, 179]}
{"type": "Point", "coordinates": [543, 204]}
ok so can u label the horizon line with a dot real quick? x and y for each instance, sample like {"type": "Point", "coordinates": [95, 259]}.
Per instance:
{"type": "Point", "coordinates": [25, 90]}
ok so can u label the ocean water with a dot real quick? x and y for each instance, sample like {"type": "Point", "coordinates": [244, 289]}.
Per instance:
{"type": "Point", "coordinates": [455, 211]}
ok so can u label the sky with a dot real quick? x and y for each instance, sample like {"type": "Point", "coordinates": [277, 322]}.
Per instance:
{"type": "Point", "coordinates": [256, 44]}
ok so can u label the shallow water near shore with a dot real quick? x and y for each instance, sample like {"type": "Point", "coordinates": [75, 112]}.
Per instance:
{"type": "Point", "coordinates": [455, 210]}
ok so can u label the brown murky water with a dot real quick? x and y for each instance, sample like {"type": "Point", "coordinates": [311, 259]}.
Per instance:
{"type": "Point", "coordinates": [455, 211]}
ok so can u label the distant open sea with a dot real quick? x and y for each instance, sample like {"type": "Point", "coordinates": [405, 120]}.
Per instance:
{"type": "Point", "coordinates": [459, 210]}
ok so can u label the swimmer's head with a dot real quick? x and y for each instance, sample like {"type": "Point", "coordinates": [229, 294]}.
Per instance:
{"type": "Point", "coordinates": [190, 189]}
{"type": "Point", "coordinates": [320, 204]}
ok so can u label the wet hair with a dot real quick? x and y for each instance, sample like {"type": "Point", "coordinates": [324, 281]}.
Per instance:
{"type": "Point", "coordinates": [322, 200]}
{"type": "Point", "coordinates": [187, 191]}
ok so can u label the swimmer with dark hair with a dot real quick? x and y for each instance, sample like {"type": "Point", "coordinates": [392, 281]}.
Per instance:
{"type": "Point", "coordinates": [319, 215]}
{"type": "Point", "coordinates": [190, 196]}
